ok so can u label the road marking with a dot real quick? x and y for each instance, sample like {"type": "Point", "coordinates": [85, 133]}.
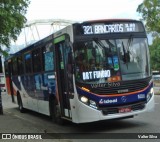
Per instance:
{"type": "Point", "coordinates": [8, 111]}
{"type": "Point", "coordinates": [20, 117]}
{"type": "Point", "coordinates": [16, 115]}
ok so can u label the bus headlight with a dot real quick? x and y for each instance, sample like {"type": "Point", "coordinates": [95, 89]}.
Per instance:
{"type": "Point", "coordinates": [150, 94]}
{"type": "Point", "coordinates": [84, 99]}
{"type": "Point", "coordinates": [88, 102]}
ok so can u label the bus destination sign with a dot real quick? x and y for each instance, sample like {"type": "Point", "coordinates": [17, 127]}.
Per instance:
{"type": "Point", "coordinates": [112, 28]}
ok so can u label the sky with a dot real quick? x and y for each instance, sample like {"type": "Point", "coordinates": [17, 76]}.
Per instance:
{"type": "Point", "coordinates": [83, 9]}
{"type": "Point", "coordinates": [76, 11]}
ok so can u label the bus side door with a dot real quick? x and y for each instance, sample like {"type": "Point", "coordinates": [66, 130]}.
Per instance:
{"type": "Point", "coordinates": [64, 79]}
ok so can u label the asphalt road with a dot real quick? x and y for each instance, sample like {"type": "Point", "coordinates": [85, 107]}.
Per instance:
{"type": "Point", "coordinates": [30, 122]}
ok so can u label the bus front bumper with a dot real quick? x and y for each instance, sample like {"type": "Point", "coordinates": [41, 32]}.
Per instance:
{"type": "Point", "coordinates": [87, 114]}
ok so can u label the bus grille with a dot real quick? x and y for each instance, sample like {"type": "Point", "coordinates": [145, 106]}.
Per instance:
{"type": "Point", "coordinates": [130, 86]}
{"type": "Point", "coordinates": [115, 110]}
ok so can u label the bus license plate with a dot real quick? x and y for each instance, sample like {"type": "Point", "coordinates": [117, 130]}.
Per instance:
{"type": "Point", "coordinates": [124, 110]}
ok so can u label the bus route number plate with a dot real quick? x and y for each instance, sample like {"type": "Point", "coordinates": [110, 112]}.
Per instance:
{"type": "Point", "coordinates": [125, 110]}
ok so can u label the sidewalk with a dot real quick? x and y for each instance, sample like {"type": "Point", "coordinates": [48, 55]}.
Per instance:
{"type": "Point", "coordinates": [7, 121]}
{"type": "Point", "coordinates": [10, 123]}
{"type": "Point", "coordinates": [7, 101]}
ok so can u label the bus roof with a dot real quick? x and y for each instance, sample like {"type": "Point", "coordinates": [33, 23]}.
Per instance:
{"type": "Point", "coordinates": [110, 20]}
{"type": "Point", "coordinates": [31, 46]}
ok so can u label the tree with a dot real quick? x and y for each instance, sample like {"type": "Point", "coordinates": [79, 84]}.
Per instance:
{"type": "Point", "coordinates": [12, 20]}
{"type": "Point", "coordinates": [155, 54]}
{"type": "Point", "coordinates": [150, 11]}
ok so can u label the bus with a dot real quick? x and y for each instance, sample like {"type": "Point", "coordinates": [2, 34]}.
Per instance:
{"type": "Point", "coordinates": [2, 77]}
{"type": "Point", "coordinates": [89, 71]}
{"type": "Point", "coordinates": [2, 83]}
{"type": "Point", "coordinates": [156, 79]}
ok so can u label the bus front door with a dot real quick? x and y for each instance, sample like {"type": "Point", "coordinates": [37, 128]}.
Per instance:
{"type": "Point", "coordinates": [64, 83]}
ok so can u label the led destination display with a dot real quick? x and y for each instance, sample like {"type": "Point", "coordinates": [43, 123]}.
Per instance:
{"type": "Point", "coordinates": [106, 28]}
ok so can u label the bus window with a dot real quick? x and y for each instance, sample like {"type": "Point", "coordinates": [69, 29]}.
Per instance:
{"type": "Point", "coordinates": [36, 56]}
{"type": "Point", "coordinates": [20, 65]}
{"type": "Point", "coordinates": [6, 68]}
{"type": "Point", "coordinates": [133, 63]}
{"type": "Point", "coordinates": [48, 57]}
{"type": "Point", "coordinates": [14, 66]}
{"type": "Point", "coordinates": [28, 67]}
{"type": "Point", "coordinates": [97, 57]}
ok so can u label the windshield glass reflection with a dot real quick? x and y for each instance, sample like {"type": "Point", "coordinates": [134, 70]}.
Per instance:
{"type": "Point", "coordinates": [103, 61]}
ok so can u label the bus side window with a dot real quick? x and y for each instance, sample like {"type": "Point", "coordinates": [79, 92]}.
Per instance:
{"type": "Point", "coordinates": [28, 65]}
{"type": "Point", "coordinates": [36, 58]}
{"type": "Point", "coordinates": [6, 68]}
{"type": "Point", "coordinates": [14, 66]}
{"type": "Point", "coordinates": [48, 58]}
{"type": "Point", "coordinates": [20, 65]}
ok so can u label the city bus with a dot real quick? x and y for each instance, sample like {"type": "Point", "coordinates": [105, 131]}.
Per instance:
{"type": "Point", "coordinates": [89, 71]}
{"type": "Point", "coordinates": [2, 83]}
{"type": "Point", "coordinates": [156, 79]}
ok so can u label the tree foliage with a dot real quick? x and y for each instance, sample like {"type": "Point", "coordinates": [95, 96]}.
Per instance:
{"type": "Point", "coordinates": [155, 54]}
{"type": "Point", "coordinates": [150, 11]}
{"type": "Point", "coordinates": [12, 19]}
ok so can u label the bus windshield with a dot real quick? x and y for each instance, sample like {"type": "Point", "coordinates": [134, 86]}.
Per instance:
{"type": "Point", "coordinates": [100, 61]}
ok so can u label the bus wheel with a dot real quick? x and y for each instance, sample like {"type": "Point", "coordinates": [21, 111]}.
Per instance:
{"type": "Point", "coordinates": [20, 104]}
{"type": "Point", "coordinates": [56, 113]}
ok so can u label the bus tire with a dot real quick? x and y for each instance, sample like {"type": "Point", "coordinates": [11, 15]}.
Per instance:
{"type": "Point", "coordinates": [56, 112]}
{"type": "Point", "coordinates": [20, 104]}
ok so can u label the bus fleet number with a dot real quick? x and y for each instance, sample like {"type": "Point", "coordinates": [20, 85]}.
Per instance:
{"type": "Point", "coordinates": [88, 30]}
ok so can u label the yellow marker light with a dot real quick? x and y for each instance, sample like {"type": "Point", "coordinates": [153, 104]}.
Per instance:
{"type": "Point", "coordinates": [85, 89]}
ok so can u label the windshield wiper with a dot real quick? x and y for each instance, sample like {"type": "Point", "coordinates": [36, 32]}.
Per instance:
{"type": "Point", "coordinates": [126, 57]}
{"type": "Point", "coordinates": [110, 44]}
{"type": "Point", "coordinates": [98, 42]}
